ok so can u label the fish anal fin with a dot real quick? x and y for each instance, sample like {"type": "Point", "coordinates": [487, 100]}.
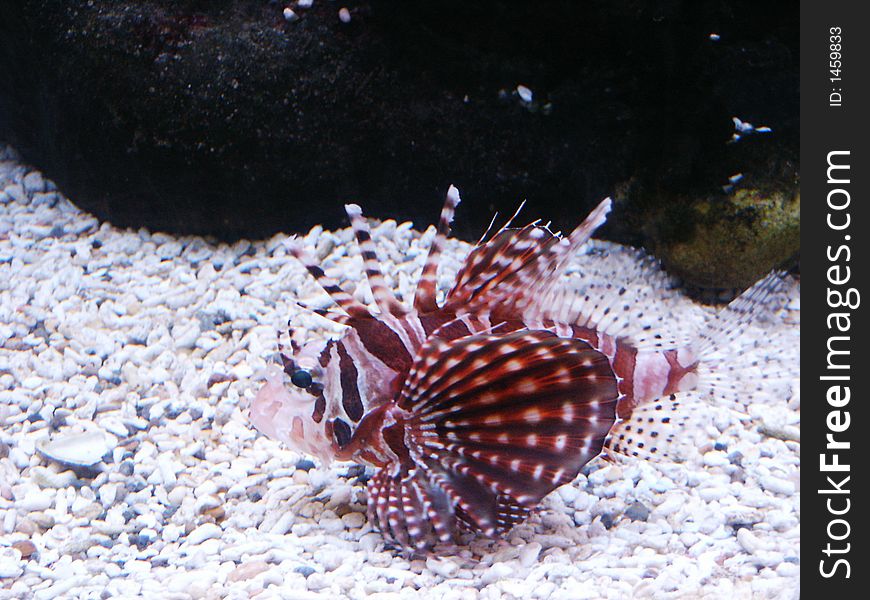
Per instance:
{"type": "Point", "coordinates": [657, 431]}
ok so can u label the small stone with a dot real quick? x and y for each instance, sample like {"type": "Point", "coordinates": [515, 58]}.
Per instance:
{"type": "Point", "coordinates": [344, 15]}
{"type": "Point", "coordinates": [206, 531]}
{"type": "Point", "coordinates": [25, 547]}
{"type": "Point", "coordinates": [48, 478]}
{"type": "Point", "coordinates": [353, 520]}
{"type": "Point", "coordinates": [671, 504]}
{"type": "Point", "coordinates": [783, 487]}
{"type": "Point", "coordinates": [249, 570]}
{"type": "Point", "coordinates": [637, 511]}
{"type": "Point", "coordinates": [305, 465]}
{"type": "Point", "coordinates": [524, 93]}
{"type": "Point", "coordinates": [35, 501]}
{"type": "Point", "coordinates": [10, 563]}
{"type": "Point", "coordinates": [444, 567]}
{"type": "Point", "coordinates": [607, 520]}
{"type": "Point", "coordinates": [305, 570]}
{"type": "Point", "coordinates": [748, 541]}
{"type": "Point", "coordinates": [529, 554]}
{"type": "Point", "coordinates": [496, 572]}
{"type": "Point", "coordinates": [317, 582]}
{"type": "Point", "coordinates": [207, 502]}
{"type": "Point", "coordinates": [715, 458]}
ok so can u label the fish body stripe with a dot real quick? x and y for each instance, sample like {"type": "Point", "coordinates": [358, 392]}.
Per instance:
{"type": "Point", "coordinates": [382, 342]}
{"type": "Point", "coordinates": [349, 379]}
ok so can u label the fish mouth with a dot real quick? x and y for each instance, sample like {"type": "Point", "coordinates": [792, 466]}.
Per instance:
{"type": "Point", "coordinates": [285, 415]}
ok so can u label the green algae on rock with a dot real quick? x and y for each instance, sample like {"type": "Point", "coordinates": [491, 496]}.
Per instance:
{"type": "Point", "coordinates": [728, 241]}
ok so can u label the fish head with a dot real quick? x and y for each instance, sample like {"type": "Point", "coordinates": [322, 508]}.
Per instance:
{"type": "Point", "coordinates": [290, 405]}
{"type": "Point", "coordinates": [315, 400]}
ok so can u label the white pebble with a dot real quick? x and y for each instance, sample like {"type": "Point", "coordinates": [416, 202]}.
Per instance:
{"type": "Point", "coordinates": [672, 503]}
{"type": "Point", "coordinates": [529, 554]}
{"type": "Point", "coordinates": [35, 501]}
{"type": "Point", "coordinates": [783, 487]}
{"type": "Point", "coordinates": [497, 572]}
{"type": "Point", "coordinates": [749, 542]}
{"type": "Point", "coordinates": [715, 458]}
{"type": "Point", "coordinates": [524, 93]}
{"type": "Point", "coordinates": [353, 520]}
{"type": "Point", "coordinates": [344, 15]}
{"type": "Point", "coordinates": [206, 531]}
{"type": "Point", "coordinates": [444, 567]}
{"type": "Point", "coordinates": [10, 563]}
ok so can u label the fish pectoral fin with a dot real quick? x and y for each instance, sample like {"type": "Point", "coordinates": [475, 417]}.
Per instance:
{"type": "Point", "coordinates": [496, 422]}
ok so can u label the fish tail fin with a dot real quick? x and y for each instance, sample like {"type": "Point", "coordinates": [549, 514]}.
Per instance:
{"type": "Point", "coordinates": [734, 368]}
{"type": "Point", "coordinates": [722, 366]}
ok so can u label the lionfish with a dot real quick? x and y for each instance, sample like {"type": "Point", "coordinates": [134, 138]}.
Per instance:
{"type": "Point", "coordinates": [473, 410]}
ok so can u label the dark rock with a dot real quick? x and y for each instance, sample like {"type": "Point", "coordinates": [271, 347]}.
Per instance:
{"type": "Point", "coordinates": [637, 512]}
{"type": "Point", "coordinates": [223, 118]}
{"type": "Point", "coordinates": [305, 465]}
{"type": "Point", "coordinates": [607, 519]}
{"type": "Point", "coordinates": [140, 541]}
{"type": "Point", "coordinates": [305, 570]}
{"type": "Point", "coordinates": [256, 493]}
{"type": "Point", "coordinates": [126, 468]}
{"type": "Point", "coordinates": [720, 446]}
{"type": "Point", "coordinates": [137, 484]}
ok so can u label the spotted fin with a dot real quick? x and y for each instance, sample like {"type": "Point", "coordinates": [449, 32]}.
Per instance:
{"type": "Point", "coordinates": [624, 308]}
{"type": "Point", "coordinates": [658, 431]}
{"type": "Point", "coordinates": [499, 421]}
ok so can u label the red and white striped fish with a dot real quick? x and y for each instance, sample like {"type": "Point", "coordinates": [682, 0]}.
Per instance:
{"type": "Point", "coordinates": [474, 410]}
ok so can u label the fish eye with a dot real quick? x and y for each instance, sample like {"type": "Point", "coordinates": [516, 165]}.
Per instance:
{"type": "Point", "coordinates": [301, 378]}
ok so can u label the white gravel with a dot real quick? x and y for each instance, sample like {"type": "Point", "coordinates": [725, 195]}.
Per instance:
{"type": "Point", "coordinates": [157, 343]}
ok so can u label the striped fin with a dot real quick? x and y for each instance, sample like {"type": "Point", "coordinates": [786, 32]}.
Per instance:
{"type": "Point", "coordinates": [583, 232]}
{"type": "Point", "coordinates": [338, 318]}
{"type": "Point", "coordinates": [424, 298]}
{"type": "Point", "coordinates": [499, 274]}
{"type": "Point", "coordinates": [513, 270]}
{"type": "Point", "coordinates": [409, 510]}
{"type": "Point", "coordinates": [499, 421]}
{"type": "Point", "coordinates": [384, 297]}
{"type": "Point", "coordinates": [343, 299]}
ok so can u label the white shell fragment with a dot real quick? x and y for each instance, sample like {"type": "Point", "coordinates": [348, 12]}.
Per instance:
{"type": "Point", "coordinates": [525, 93]}
{"type": "Point", "coordinates": [76, 450]}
